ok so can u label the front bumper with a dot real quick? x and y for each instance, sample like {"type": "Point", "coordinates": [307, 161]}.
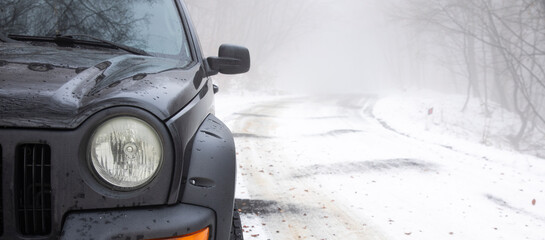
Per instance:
{"type": "Point", "coordinates": [138, 224]}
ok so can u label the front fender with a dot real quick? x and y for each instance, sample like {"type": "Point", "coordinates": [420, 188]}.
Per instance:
{"type": "Point", "coordinates": [210, 177]}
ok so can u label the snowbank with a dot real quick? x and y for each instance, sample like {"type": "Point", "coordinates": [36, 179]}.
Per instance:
{"type": "Point", "coordinates": [438, 117]}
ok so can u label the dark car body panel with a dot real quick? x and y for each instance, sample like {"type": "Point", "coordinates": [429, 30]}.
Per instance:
{"type": "Point", "coordinates": [211, 156]}
{"type": "Point", "coordinates": [50, 92]}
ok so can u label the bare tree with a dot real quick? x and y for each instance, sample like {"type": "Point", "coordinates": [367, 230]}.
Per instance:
{"type": "Point", "coordinates": [507, 38]}
{"type": "Point", "coordinates": [111, 20]}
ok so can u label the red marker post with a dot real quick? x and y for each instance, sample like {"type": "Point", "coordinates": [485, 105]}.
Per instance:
{"type": "Point", "coordinates": [428, 118]}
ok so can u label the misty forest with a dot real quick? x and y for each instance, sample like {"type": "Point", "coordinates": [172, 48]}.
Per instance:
{"type": "Point", "coordinates": [398, 119]}
{"type": "Point", "coordinates": [490, 50]}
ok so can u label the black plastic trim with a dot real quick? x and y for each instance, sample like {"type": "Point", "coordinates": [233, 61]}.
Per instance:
{"type": "Point", "coordinates": [211, 175]}
{"type": "Point", "coordinates": [33, 189]}
{"type": "Point", "coordinates": [1, 195]}
{"type": "Point", "coordinates": [146, 223]}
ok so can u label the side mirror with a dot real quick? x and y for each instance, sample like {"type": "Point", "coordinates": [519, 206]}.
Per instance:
{"type": "Point", "coordinates": [231, 59]}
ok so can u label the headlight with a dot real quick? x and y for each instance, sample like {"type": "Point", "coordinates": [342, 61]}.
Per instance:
{"type": "Point", "coordinates": [125, 152]}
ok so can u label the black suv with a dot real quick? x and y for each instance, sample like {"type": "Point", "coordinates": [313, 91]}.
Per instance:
{"type": "Point", "coordinates": [106, 123]}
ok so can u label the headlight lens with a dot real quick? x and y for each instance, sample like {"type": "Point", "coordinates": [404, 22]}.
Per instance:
{"type": "Point", "coordinates": [126, 152]}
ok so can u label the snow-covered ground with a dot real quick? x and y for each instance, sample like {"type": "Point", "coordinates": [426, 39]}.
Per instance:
{"type": "Point", "coordinates": [361, 167]}
{"type": "Point", "coordinates": [439, 118]}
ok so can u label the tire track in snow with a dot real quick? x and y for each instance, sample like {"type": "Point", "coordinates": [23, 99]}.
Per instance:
{"type": "Point", "coordinates": [365, 166]}
{"type": "Point", "coordinates": [289, 207]}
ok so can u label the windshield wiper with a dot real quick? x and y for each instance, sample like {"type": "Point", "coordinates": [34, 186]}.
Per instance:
{"type": "Point", "coordinates": [70, 39]}
{"type": "Point", "coordinates": [5, 38]}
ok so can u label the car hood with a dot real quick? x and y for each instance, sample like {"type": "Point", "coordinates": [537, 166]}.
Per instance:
{"type": "Point", "coordinates": [53, 87]}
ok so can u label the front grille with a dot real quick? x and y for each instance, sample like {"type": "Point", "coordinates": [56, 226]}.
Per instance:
{"type": "Point", "coordinates": [1, 199]}
{"type": "Point", "coordinates": [34, 189]}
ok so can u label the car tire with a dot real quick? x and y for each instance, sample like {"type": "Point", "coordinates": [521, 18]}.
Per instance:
{"type": "Point", "coordinates": [236, 228]}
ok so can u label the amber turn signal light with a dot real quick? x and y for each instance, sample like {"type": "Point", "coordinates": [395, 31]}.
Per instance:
{"type": "Point", "coordinates": [203, 234]}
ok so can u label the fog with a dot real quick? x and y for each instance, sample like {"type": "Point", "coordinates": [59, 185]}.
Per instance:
{"type": "Point", "coordinates": [385, 119]}
{"type": "Point", "coordinates": [316, 45]}
{"type": "Point", "coordinates": [492, 52]}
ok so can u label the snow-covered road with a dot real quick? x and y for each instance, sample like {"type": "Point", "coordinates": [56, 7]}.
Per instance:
{"type": "Point", "coordinates": [326, 168]}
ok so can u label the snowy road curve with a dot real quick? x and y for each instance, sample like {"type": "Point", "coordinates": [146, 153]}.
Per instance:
{"type": "Point", "coordinates": [325, 168]}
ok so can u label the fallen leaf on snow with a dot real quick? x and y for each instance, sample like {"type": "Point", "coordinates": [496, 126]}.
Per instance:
{"type": "Point", "coordinates": [534, 202]}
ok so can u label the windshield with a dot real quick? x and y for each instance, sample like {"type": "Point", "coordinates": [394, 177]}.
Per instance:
{"type": "Point", "coordinates": [151, 25]}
